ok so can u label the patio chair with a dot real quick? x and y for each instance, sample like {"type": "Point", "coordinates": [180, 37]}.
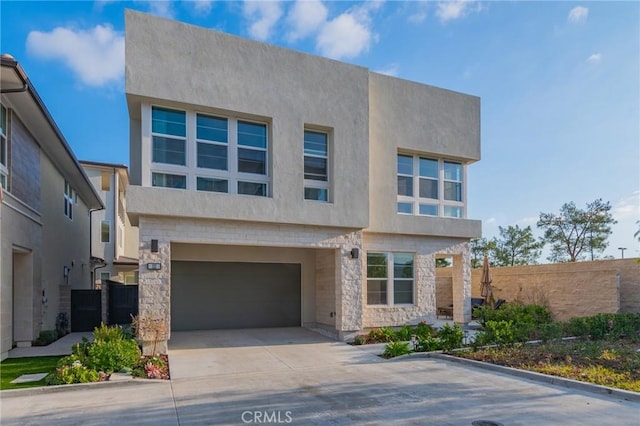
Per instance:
{"type": "Point", "coordinates": [499, 303]}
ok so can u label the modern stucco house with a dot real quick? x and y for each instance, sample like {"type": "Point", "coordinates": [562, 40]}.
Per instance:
{"type": "Point", "coordinates": [276, 188]}
{"type": "Point", "coordinates": [44, 214]}
{"type": "Point", "coordinates": [113, 240]}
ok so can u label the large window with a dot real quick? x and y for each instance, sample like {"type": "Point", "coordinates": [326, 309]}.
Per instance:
{"type": "Point", "coordinates": [390, 278]}
{"type": "Point", "coordinates": [4, 151]}
{"type": "Point", "coordinates": [69, 196]}
{"type": "Point", "coordinates": [316, 166]}
{"type": "Point", "coordinates": [207, 152]}
{"type": "Point", "coordinates": [430, 187]}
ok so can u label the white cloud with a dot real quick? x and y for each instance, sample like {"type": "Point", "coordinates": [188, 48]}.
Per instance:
{"type": "Point", "coordinates": [456, 9]}
{"type": "Point", "coordinates": [578, 15]}
{"type": "Point", "coordinates": [264, 15]}
{"type": "Point", "coordinates": [349, 34]}
{"type": "Point", "coordinates": [418, 17]}
{"type": "Point", "coordinates": [391, 70]}
{"type": "Point", "coordinates": [529, 220]}
{"type": "Point", "coordinates": [162, 8]}
{"type": "Point", "coordinates": [201, 7]}
{"type": "Point", "coordinates": [490, 220]}
{"type": "Point", "coordinates": [627, 207]}
{"type": "Point", "coordinates": [305, 18]}
{"type": "Point", "coordinates": [595, 58]}
{"type": "Point", "coordinates": [96, 56]}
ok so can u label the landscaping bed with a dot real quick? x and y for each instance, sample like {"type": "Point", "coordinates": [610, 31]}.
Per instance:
{"type": "Point", "coordinates": [603, 362]}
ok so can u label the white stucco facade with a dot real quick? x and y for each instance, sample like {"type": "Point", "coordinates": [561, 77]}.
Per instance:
{"type": "Point", "coordinates": [367, 121]}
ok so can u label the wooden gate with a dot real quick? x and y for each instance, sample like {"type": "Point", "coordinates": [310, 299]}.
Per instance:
{"type": "Point", "coordinates": [86, 310]}
{"type": "Point", "coordinates": [123, 303]}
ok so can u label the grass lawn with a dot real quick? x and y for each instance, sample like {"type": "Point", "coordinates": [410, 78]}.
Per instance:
{"type": "Point", "coordinates": [609, 363]}
{"type": "Point", "coordinates": [12, 368]}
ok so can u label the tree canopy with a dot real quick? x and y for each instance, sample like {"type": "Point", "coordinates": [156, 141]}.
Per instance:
{"type": "Point", "coordinates": [576, 234]}
{"type": "Point", "coordinates": [517, 246]}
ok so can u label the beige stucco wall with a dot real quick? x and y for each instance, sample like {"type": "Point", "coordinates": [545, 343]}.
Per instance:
{"type": "Point", "coordinates": [286, 89]}
{"type": "Point", "coordinates": [416, 118]}
{"type": "Point", "coordinates": [568, 289]}
{"type": "Point", "coordinates": [325, 287]}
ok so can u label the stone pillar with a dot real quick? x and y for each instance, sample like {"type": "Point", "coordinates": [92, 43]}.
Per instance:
{"type": "Point", "coordinates": [461, 275]}
{"type": "Point", "coordinates": [349, 285]}
{"type": "Point", "coordinates": [154, 296]}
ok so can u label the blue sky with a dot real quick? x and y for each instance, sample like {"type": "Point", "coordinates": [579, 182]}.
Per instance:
{"type": "Point", "coordinates": [559, 82]}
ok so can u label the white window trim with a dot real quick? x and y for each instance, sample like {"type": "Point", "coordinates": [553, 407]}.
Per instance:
{"type": "Point", "coordinates": [318, 184]}
{"type": "Point", "coordinates": [69, 200]}
{"type": "Point", "coordinates": [415, 200]}
{"type": "Point", "coordinates": [4, 167]}
{"type": "Point", "coordinates": [390, 281]}
{"type": "Point", "coordinates": [191, 170]}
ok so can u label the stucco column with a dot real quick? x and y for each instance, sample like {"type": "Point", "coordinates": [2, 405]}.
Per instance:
{"type": "Point", "coordinates": [154, 295]}
{"type": "Point", "coordinates": [462, 286]}
{"type": "Point", "coordinates": [349, 286]}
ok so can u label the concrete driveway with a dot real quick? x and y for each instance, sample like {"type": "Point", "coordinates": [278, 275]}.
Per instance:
{"type": "Point", "coordinates": [294, 376]}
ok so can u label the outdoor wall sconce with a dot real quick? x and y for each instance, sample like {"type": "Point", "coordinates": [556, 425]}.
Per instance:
{"type": "Point", "coordinates": [154, 246]}
{"type": "Point", "coordinates": [154, 266]}
{"type": "Point", "coordinates": [354, 253]}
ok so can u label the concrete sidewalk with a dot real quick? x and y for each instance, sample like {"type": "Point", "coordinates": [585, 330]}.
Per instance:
{"type": "Point", "coordinates": [299, 378]}
{"type": "Point", "coordinates": [61, 346]}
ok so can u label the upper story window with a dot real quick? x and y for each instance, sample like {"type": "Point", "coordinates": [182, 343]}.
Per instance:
{"type": "Point", "coordinates": [390, 278]}
{"type": "Point", "coordinates": [69, 199]}
{"type": "Point", "coordinates": [105, 181]}
{"type": "Point", "coordinates": [316, 166]}
{"type": "Point", "coordinates": [430, 187]}
{"type": "Point", "coordinates": [229, 155]}
{"type": "Point", "coordinates": [105, 231]}
{"type": "Point", "coordinates": [4, 166]}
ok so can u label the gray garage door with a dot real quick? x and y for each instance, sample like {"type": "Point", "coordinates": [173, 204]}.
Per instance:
{"type": "Point", "coordinates": [213, 295]}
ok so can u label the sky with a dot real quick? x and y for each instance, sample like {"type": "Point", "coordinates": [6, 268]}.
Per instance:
{"type": "Point", "coordinates": [559, 83]}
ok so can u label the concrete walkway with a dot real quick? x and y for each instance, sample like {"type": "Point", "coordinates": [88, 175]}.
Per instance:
{"type": "Point", "coordinates": [61, 346]}
{"type": "Point", "coordinates": [298, 377]}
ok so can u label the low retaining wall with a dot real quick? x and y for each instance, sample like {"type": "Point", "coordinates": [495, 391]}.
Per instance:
{"type": "Point", "coordinates": [569, 289]}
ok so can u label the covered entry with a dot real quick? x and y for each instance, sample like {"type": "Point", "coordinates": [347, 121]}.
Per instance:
{"type": "Point", "coordinates": [218, 295]}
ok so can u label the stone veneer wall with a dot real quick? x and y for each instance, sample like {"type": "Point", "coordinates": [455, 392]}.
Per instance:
{"type": "Point", "coordinates": [568, 289]}
{"type": "Point", "coordinates": [155, 286]}
{"type": "Point", "coordinates": [426, 250]}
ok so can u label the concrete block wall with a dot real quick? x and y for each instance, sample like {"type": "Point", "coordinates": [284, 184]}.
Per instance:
{"type": "Point", "coordinates": [568, 289]}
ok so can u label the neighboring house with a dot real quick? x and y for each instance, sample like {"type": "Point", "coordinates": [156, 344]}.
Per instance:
{"type": "Point", "coordinates": [114, 242]}
{"type": "Point", "coordinates": [275, 188]}
{"type": "Point", "coordinates": [44, 214]}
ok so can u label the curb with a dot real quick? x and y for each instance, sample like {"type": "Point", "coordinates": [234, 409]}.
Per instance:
{"type": "Point", "coordinates": [41, 390]}
{"type": "Point", "coordinates": [544, 378]}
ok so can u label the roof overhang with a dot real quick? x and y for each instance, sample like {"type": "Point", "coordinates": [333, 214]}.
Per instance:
{"type": "Point", "coordinates": [29, 107]}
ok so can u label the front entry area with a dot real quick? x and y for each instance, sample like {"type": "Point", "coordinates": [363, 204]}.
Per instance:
{"type": "Point", "coordinates": [232, 295]}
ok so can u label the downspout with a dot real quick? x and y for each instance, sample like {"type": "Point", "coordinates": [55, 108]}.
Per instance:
{"type": "Point", "coordinates": [93, 271]}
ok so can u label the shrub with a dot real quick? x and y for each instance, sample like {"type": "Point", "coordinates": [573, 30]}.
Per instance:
{"type": "Point", "coordinates": [405, 333]}
{"type": "Point", "coordinates": [428, 344]}
{"type": "Point", "coordinates": [107, 334]}
{"type": "Point", "coordinates": [62, 324]}
{"type": "Point", "coordinates": [394, 349]}
{"type": "Point", "coordinates": [360, 340]}
{"type": "Point", "coordinates": [73, 373]}
{"type": "Point", "coordinates": [498, 333]}
{"type": "Point", "coordinates": [424, 330]}
{"type": "Point", "coordinates": [381, 335]}
{"type": "Point", "coordinates": [450, 337]}
{"type": "Point", "coordinates": [113, 355]}
{"type": "Point", "coordinates": [577, 327]}
{"type": "Point", "coordinates": [549, 331]}
{"type": "Point", "coordinates": [46, 337]}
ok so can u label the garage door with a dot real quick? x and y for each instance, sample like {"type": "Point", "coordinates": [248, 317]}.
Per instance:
{"type": "Point", "coordinates": [214, 295]}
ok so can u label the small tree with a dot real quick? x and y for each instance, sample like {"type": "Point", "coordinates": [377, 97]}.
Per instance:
{"type": "Point", "coordinates": [480, 248]}
{"type": "Point", "coordinates": [574, 232]}
{"type": "Point", "coordinates": [517, 246]}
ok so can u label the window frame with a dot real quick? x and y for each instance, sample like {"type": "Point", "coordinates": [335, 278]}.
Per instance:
{"type": "Point", "coordinates": [70, 198]}
{"type": "Point", "coordinates": [391, 279]}
{"type": "Point", "coordinates": [4, 146]}
{"type": "Point", "coordinates": [102, 224]}
{"type": "Point", "coordinates": [441, 204]}
{"type": "Point", "coordinates": [191, 171]}
{"type": "Point", "coordinates": [322, 185]}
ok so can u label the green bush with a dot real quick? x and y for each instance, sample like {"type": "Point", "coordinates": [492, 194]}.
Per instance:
{"type": "Point", "coordinates": [394, 349]}
{"type": "Point", "coordinates": [405, 333]}
{"type": "Point", "coordinates": [604, 326]}
{"type": "Point", "coordinates": [108, 334]}
{"type": "Point", "coordinates": [551, 331]}
{"type": "Point", "coordinates": [428, 344]}
{"type": "Point", "coordinates": [577, 327]}
{"type": "Point", "coordinates": [498, 333]}
{"type": "Point", "coordinates": [113, 355]}
{"type": "Point", "coordinates": [424, 330]}
{"type": "Point", "coordinates": [75, 373]}
{"type": "Point", "coordinates": [360, 340]}
{"type": "Point", "coordinates": [382, 335]}
{"type": "Point", "coordinates": [450, 337]}
{"type": "Point", "coordinates": [46, 337]}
